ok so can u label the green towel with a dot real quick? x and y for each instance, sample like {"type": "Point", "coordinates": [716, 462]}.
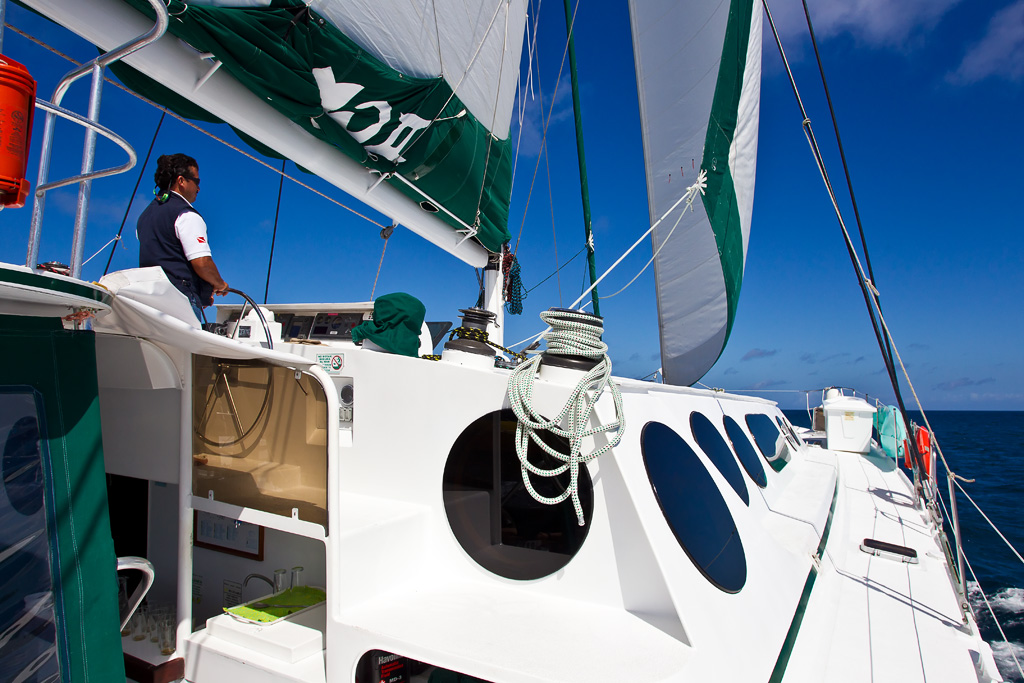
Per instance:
{"type": "Point", "coordinates": [396, 325]}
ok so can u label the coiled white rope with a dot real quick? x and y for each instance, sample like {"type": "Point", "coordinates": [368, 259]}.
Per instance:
{"type": "Point", "coordinates": [569, 335]}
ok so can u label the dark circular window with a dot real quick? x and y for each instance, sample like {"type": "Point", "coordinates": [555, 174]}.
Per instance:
{"type": "Point", "coordinates": [22, 467]}
{"type": "Point", "coordinates": [714, 446]}
{"type": "Point", "coordinates": [693, 507]}
{"type": "Point", "coordinates": [745, 452]}
{"type": "Point", "coordinates": [766, 436]}
{"type": "Point", "coordinates": [492, 514]}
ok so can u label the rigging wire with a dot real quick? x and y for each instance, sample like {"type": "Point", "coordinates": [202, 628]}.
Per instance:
{"type": "Point", "coordinates": [887, 352]}
{"type": "Point", "coordinates": [647, 265]}
{"type": "Point", "coordinates": [521, 94]}
{"type": "Point", "coordinates": [205, 132]}
{"type": "Point", "coordinates": [494, 115]}
{"type": "Point", "coordinates": [273, 239]}
{"type": "Point", "coordinates": [554, 227]}
{"type": "Point", "coordinates": [573, 258]}
{"type": "Point", "coordinates": [543, 138]}
{"type": "Point", "coordinates": [867, 289]}
{"type": "Point", "coordinates": [142, 172]}
{"type": "Point", "coordinates": [992, 612]}
{"type": "Point", "coordinates": [465, 73]}
{"type": "Point", "coordinates": [385, 234]}
{"type": "Point", "coordinates": [698, 187]}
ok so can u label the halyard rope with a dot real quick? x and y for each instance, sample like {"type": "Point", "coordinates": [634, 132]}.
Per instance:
{"type": "Point", "coordinates": [569, 335]}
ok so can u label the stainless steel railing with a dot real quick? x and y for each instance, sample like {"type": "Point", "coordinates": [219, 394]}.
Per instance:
{"type": "Point", "coordinates": [96, 68]}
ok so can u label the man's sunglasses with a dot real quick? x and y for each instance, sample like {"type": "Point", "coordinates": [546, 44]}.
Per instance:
{"type": "Point", "coordinates": [191, 177]}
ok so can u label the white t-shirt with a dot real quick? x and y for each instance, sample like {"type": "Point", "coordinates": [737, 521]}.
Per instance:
{"type": "Point", "coordinates": [191, 231]}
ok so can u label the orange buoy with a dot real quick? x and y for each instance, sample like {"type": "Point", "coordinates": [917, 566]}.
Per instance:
{"type": "Point", "coordinates": [17, 104]}
{"type": "Point", "coordinates": [924, 447]}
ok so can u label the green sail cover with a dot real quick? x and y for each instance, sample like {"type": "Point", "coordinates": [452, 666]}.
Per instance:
{"type": "Point", "coordinates": [391, 121]}
{"type": "Point", "coordinates": [56, 553]}
{"type": "Point", "coordinates": [698, 74]}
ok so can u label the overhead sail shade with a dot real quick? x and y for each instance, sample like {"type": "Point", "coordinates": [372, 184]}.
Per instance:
{"type": "Point", "coordinates": [698, 70]}
{"type": "Point", "coordinates": [421, 89]}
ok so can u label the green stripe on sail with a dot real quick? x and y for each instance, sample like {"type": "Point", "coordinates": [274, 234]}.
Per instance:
{"type": "Point", "coordinates": [416, 127]}
{"type": "Point", "coordinates": [720, 198]}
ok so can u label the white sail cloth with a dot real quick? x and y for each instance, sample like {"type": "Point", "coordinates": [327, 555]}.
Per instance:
{"type": "Point", "coordinates": [698, 74]}
{"type": "Point", "coordinates": [475, 45]}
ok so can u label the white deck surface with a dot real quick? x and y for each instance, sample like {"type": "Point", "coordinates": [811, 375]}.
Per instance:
{"type": "Point", "coordinates": [875, 618]}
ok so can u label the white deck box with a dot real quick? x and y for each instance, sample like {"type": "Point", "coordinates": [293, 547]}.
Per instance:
{"type": "Point", "coordinates": [848, 422]}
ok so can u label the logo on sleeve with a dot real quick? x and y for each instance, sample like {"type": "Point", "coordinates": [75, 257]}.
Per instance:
{"type": "Point", "coordinates": [201, 240]}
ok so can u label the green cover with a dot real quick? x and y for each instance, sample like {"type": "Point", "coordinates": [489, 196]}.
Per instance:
{"type": "Point", "coordinates": [273, 52]}
{"type": "Point", "coordinates": [396, 325]}
{"type": "Point", "coordinates": [60, 366]}
{"type": "Point", "coordinates": [892, 432]}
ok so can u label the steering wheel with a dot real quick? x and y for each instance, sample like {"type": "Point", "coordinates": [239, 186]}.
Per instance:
{"type": "Point", "coordinates": [241, 315]}
{"type": "Point", "coordinates": [219, 393]}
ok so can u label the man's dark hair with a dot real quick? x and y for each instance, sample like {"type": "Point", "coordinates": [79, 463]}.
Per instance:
{"type": "Point", "coordinates": [169, 167]}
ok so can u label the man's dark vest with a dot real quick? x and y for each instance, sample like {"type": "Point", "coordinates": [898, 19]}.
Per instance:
{"type": "Point", "coordinates": [159, 246]}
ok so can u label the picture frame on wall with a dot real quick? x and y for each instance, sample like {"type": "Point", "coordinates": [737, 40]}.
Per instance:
{"type": "Point", "coordinates": [227, 535]}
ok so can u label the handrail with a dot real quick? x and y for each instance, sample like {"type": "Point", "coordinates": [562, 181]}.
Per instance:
{"type": "Point", "coordinates": [149, 575]}
{"type": "Point", "coordinates": [102, 130]}
{"type": "Point", "coordinates": [95, 67]}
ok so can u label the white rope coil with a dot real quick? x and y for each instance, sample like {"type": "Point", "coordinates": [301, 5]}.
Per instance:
{"type": "Point", "coordinates": [571, 334]}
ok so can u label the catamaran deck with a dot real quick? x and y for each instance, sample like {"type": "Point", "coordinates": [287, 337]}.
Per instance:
{"type": "Point", "coordinates": [877, 617]}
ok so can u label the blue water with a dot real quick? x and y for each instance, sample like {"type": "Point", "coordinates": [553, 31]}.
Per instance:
{"type": "Point", "coordinates": [986, 446]}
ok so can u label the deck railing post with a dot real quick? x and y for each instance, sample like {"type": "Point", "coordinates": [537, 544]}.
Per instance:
{"type": "Point", "coordinates": [956, 536]}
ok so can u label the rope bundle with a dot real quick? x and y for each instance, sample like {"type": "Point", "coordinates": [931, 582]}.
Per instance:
{"type": "Point", "coordinates": [569, 335]}
{"type": "Point", "coordinates": [513, 284]}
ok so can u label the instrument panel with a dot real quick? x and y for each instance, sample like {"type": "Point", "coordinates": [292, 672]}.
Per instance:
{"type": "Point", "coordinates": [334, 325]}
{"type": "Point", "coordinates": [304, 321]}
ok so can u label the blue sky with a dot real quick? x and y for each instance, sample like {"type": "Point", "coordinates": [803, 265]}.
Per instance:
{"type": "Point", "coordinates": [928, 97]}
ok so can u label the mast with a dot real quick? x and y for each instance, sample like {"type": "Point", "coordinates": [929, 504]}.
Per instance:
{"type": "Point", "coordinates": [584, 190]}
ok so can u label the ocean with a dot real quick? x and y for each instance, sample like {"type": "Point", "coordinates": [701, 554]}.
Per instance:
{"type": "Point", "coordinates": [986, 446]}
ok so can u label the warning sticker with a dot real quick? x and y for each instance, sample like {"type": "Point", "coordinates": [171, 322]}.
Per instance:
{"type": "Point", "coordinates": [331, 362]}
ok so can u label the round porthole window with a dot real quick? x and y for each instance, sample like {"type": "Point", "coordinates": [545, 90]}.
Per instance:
{"type": "Point", "coordinates": [694, 507]}
{"type": "Point", "coordinates": [714, 446]}
{"type": "Point", "coordinates": [491, 512]}
{"type": "Point", "coordinates": [745, 452]}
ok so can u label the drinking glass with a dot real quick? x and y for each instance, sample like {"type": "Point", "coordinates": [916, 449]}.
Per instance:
{"type": "Point", "coordinates": [297, 577]}
{"type": "Point", "coordinates": [156, 616]}
{"type": "Point", "coordinates": [280, 581]}
{"type": "Point", "coordinates": [140, 623]}
{"type": "Point", "coordinates": [166, 632]}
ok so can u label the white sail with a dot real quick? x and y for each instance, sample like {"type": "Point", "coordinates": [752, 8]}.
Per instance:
{"type": "Point", "coordinates": [698, 73]}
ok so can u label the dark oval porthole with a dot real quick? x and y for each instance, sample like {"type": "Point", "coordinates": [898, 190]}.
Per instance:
{"type": "Point", "coordinates": [714, 446]}
{"type": "Point", "coordinates": [22, 467]}
{"type": "Point", "coordinates": [428, 207]}
{"type": "Point", "coordinates": [745, 452]}
{"type": "Point", "coordinates": [766, 436]}
{"type": "Point", "coordinates": [693, 507]}
{"type": "Point", "coordinates": [492, 514]}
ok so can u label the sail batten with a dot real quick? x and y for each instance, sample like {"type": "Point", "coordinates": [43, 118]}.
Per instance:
{"type": "Point", "coordinates": [698, 76]}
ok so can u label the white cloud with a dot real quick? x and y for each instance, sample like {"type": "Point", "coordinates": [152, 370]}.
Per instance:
{"type": "Point", "coordinates": [999, 53]}
{"type": "Point", "coordinates": [537, 114]}
{"type": "Point", "coordinates": [879, 23]}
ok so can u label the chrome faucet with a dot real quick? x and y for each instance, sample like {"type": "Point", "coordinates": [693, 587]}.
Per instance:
{"type": "Point", "coordinates": [258, 576]}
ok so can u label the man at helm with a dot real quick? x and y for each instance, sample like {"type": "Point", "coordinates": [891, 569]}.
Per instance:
{"type": "Point", "coordinates": [172, 234]}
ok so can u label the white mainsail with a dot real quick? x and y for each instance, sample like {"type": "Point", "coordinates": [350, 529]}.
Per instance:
{"type": "Point", "coordinates": [698, 70]}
